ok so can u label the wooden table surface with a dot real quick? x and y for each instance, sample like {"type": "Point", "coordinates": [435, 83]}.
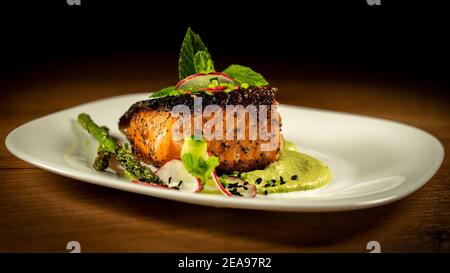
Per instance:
{"type": "Point", "coordinates": [42, 211]}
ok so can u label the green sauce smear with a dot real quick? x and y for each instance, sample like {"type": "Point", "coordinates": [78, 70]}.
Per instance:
{"type": "Point", "coordinates": [299, 172]}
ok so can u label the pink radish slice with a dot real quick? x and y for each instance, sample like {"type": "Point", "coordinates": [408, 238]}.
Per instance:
{"type": "Point", "coordinates": [214, 89]}
{"type": "Point", "coordinates": [235, 186]}
{"type": "Point", "coordinates": [175, 176]}
{"type": "Point", "coordinates": [239, 187]}
{"type": "Point", "coordinates": [219, 184]}
{"type": "Point", "coordinates": [200, 81]}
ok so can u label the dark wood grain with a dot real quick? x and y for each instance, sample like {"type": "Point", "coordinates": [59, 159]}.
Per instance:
{"type": "Point", "coordinates": [41, 211]}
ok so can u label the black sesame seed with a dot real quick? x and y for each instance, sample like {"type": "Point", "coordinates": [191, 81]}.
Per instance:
{"type": "Point", "coordinates": [267, 185]}
{"type": "Point", "coordinates": [281, 180]}
{"type": "Point", "coordinates": [235, 192]}
{"type": "Point", "coordinates": [265, 192]}
{"type": "Point", "coordinates": [259, 180]}
{"type": "Point", "coordinates": [273, 181]}
{"type": "Point", "coordinates": [294, 177]}
{"type": "Point", "coordinates": [170, 179]}
{"type": "Point", "coordinates": [181, 182]}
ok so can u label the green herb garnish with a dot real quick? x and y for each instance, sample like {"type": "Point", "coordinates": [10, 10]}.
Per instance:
{"type": "Point", "coordinates": [170, 91]}
{"type": "Point", "coordinates": [203, 63]}
{"type": "Point", "coordinates": [189, 48]}
{"type": "Point", "coordinates": [245, 76]}
{"type": "Point", "coordinates": [196, 160]}
{"type": "Point", "coordinates": [195, 59]}
{"type": "Point", "coordinates": [198, 166]}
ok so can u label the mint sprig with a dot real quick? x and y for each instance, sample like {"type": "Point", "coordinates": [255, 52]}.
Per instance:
{"type": "Point", "coordinates": [203, 63]}
{"type": "Point", "coordinates": [170, 91]}
{"type": "Point", "coordinates": [245, 76]}
{"type": "Point", "coordinates": [195, 59]}
{"type": "Point", "coordinates": [190, 46]}
{"type": "Point", "coordinates": [195, 158]}
{"type": "Point", "coordinates": [198, 166]}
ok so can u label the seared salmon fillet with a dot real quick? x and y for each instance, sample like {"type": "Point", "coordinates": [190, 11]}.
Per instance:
{"type": "Point", "coordinates": [149, 125]}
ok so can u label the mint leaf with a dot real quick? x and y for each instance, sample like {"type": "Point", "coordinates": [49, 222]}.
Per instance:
{"type": "Point", "coordinates": [190, 46]}
{"type": "Point", "coordinates": [167, 92]}
{"type": "Point", "coordinates": [196, 160]}
{"type": "Point", "coordinates": [245, 76]}
{"type": "Point", "coordinates": [203, 63]}
{"type": "Point", "coordinates": [199, 166]}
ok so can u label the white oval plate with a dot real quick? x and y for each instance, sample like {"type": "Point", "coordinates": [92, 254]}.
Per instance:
{"type": "Point", "coordinates": [373, 161]}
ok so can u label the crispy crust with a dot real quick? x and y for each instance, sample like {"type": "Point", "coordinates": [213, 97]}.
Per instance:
{"type": "Point", "coordinates": [254, 95]}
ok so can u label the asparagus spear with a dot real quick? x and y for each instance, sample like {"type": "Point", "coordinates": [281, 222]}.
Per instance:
{"type": "Point", "coordinates": [108, 147]}
{"type": "Point", "coordinates": [101, 162]}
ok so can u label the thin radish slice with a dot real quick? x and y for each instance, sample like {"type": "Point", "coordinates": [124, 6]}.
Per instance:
{"type": "Point", "coordinates": [239, 187]}
{"type": "Point", "coordinates": [214, 89]}
{"type": "Point", "coordinates": [203, 80]}
{"type": "Point", "coordinates": [175, 176]}
{"type": "Point", "coordinates": [235, 186]}
{"type": "Point", "coordinates": [219, 184]}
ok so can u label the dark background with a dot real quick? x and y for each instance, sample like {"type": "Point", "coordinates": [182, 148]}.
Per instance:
{"type": "Point", "coordinates": [406, 40]}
